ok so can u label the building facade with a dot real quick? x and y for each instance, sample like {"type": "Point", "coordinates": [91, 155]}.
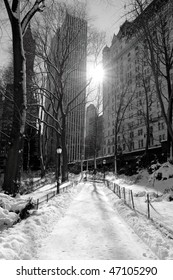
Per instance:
{"type": "Point", "coordinates": [68, 53]}
{"type": "Point", "coordinates": [94, 133]}
{"type": "Point", "coordinates": [132, 113]}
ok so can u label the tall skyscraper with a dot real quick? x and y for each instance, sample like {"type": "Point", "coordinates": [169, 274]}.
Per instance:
{"type": "Point", "coordinates": [94, 133]}
{"type": "Point", "coordinates": [68, 53]}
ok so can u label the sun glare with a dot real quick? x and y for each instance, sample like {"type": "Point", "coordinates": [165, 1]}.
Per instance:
{"type": "Point", "coordinates": [97, 73]}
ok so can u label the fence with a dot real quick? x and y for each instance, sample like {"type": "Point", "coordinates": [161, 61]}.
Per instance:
{"type": "Point", "coordinates": [141, 204]}
{"type": "Point", "coordinates": [51, 194]}
{"type": "Point", "coordinates": [95, 177]}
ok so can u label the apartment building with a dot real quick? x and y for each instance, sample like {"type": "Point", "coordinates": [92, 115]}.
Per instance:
{"type": "Point", "coordinates": [131, 109]}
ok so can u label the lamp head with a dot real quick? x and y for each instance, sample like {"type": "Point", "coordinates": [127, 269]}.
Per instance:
{"type": "Point", "coordinates": [59, 150]}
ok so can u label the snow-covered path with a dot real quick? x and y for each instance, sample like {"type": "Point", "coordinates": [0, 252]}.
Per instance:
{"type": "Point", "coordinates": [92, 229]}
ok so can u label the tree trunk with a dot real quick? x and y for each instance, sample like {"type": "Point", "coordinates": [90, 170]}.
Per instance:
{"type": "Point", "coordinates": [169, 115]}
{"type": "Point", "coordinates": [28, 154]}
{"type": "Point", "coordinates": [64, 150]}
{"type": "Point", "coordinates": [115, 149]}
{"type": "Point", "coordinates": [147, 129]}
{"type": "Point", "coordinates": [42, 165]}
{"type": "Point", "coordinates": [15, 152]}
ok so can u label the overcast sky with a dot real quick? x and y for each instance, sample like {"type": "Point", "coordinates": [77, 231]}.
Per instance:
{"type": "Point", "coordinates": [107, 15]}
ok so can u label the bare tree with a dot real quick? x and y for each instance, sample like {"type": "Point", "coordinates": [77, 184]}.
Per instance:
{"type": "Point", "coordinates": [19, 24]}
{"type": "Point", "coordinates": [58, 52]}
{"type": "Point", "coordinates": [123, 102]}
{"type": "Point", "coordinates": [153, 28]}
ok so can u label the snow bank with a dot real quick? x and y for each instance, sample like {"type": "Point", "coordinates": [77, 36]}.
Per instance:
{"type": "Point", "coordinates": [166, 171]}
{"type": "Point", "coordinates": [7, 218]}
{"type": "Point", "coordinates": [161, 197]}
{"type": "Point", "coordinates": [144, 228]}
{"type": "Point", "coordinates": [9, 207]}
{"type": "Point", "coordinates": [21, 241]}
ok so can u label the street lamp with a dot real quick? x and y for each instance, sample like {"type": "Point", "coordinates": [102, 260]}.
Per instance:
{"type": "Point", "coordinates": [82, 158]}
{"type": "Point", "coordinates": [59, 151]}
{"type": "Point", "coordinates": [104, 162]}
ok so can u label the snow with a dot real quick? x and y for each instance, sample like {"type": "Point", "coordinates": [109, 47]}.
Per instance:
{"type": "Point", "coordinates": [159, 191]}
{"type": "Point", "coordinates": [31, 238]}
{"type": "Point", "coordinates": [20, 241]}
{"type": "Point", "coordinates": [91, 229]}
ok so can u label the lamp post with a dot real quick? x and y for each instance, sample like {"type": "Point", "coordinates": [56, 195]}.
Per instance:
{"type": "Point", "coordinates": [82, 158]}
{"type": "Point", "coordinates": [59, 151]}
{"type": "Point", "coordinates": [104, 162]}
{"type": "Point", "coordinates": [87, 169]}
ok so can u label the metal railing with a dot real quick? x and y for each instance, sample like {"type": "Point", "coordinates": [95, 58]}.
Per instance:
{"type": "Point", "coordinates": [52, 193]}
{"type": "Point", "coordinates": [141, 204]}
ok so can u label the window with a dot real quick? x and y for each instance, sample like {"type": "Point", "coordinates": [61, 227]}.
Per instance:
{"type": "Point", "coordinates": [151, 131]}
{"type": "Point", "coordinates": [140, 143]}
{"type": "Point", "coordinates": [151, 141]}
{"type": "Point", "coordinates": [140, 132]}
{"type": "Point", "coordinates": [132, 146]}
{"type": "Point", "coordinates": [131, 134]}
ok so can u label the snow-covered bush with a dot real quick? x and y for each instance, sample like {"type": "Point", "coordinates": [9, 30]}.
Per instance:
{"type": "Point", "coordinates": [11, 209]}
{"type": "Point", "coordinates": [153, 167]}
{"type": "Point", "coordinates": [165, 171]}
{"type": "Point", "coordinates": [7, 218]}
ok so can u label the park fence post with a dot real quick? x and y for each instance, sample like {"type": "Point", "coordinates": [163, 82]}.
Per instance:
{"type": "Point", "coordinates": [119, 192]}
{"type": "Point", "coordinates": [114, 187]}
{"type": "Point", "coordinates": [37, 203]}
{"type": "Point", "coordinates": [133, 205]}
{"type": "Point", "coordinates": [124, 194]}
{"type": "Point", "coordinates": [148, 205]}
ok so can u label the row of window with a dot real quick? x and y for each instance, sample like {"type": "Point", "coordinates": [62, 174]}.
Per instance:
{"type": "Point", "coordinates": [131, 145]}
{"type": "Point", "coordinates": [161, 126]}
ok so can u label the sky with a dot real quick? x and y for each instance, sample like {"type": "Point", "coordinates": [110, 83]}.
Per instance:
{"type": "Point", "coordinates": [107, 15]}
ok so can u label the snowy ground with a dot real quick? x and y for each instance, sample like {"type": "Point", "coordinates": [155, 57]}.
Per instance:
{"type": "Point", "coordinates": [160, 192]}
{"type": "Point", "coordinates": [30, 239]}
{"type": "Point", "coordinates": [92, 229]}
{"type": "Point", "coordinates": [20, 241]}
